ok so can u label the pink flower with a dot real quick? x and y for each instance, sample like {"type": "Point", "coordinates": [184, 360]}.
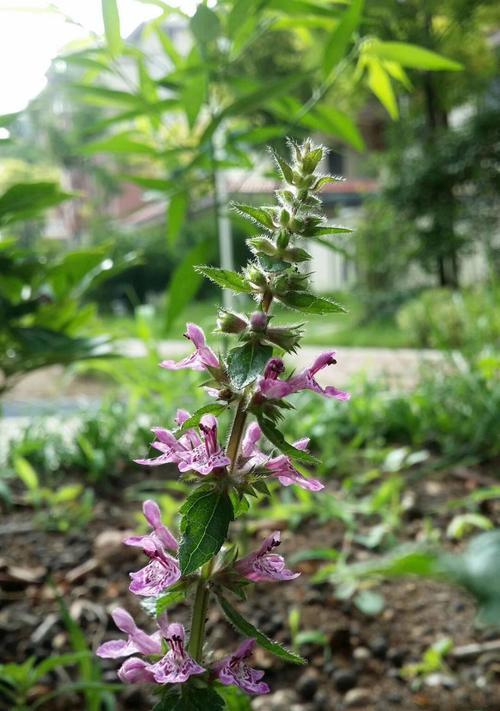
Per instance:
{"type": "Point", "coordinates": [190, 452]}
{"type": "Point", "coordinates": [264, 565]}
{"type": "Point", "coordinates": [158, 575]}
{"type": "Point", "coordinates": [272, 387]}
{"type": "Point", "coordinates": [201, 359]}
{"type": "Point", "coordinates": [205, 454]}
{"type": "Point", "coordinates": [135, 671]}
{"type": "Point", "coordinates": [152, 514]}
{"type": "Point", "coordinates": [281, 467]}
{"type": "Point", "coordinates": [137, 640]}
{"type": "Point", "coordinates": [176, 666]}
{"type": "Point", "coordinates": [234, 670]}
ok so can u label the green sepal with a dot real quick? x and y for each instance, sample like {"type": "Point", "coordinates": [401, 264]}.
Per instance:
{"type": "Point", "coordinates": [190, 697]}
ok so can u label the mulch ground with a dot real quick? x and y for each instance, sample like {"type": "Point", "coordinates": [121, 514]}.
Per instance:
{"type": "Point", "coordinates": [360, 667]}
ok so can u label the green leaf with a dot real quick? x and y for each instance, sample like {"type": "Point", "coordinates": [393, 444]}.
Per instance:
{"type": "Point", "coordinates": [336, 123]}
{"type": "Point", "coordinates": [369, 602]}
{"type": "Point", "coordinates": [335, 48]}
{"type": "Point", "coordinates": [205, 519]}
{"type": "Point", "coordinates": [285, 169]}
{"type": "Point", "coordinates": [185, 282]}
{"type": "Point", "coordinates": [24, 201]}
{"type": "Point", "coordinates": [210, 409]}
{"type": "Point", "coordinates": [380, 83]}
{"type": "Point", "coordinates": [246, 628]}
{"type": "Point", "coordinates": [168, 600]}
{"type": "Point", "coordinates": [412, 56]}
{"type": "Point", "coordinates": [310, 304]}
{"type": "Point", "coordinates": [312, 159]}
{"type": "Point", "coordinates": [176, 215]}
{"type": "Point", "coordinates": [331, 230]}
{"type": "Point", "coordinates": [226, 279]}
{"type": "Point", "coordinates": [273, 434]}
{"type": "Point", "coordinates": [27, 474]}
{"type": "Point", "coordinates": [191, 698]}
{"type": "Point", "coordinates": [257, 215]}
{"type": "Point", "coordinates": [111, 19]}
{"type": "Point", "coordinates": [205, 25]}
{"type": "Point", "coordinates": [246, 362]}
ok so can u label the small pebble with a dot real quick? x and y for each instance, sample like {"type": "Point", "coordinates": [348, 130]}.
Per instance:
{"type": "Point", "coordinates": [361, 654]}
{"type": "Point", "coordinates": [307, 685]}
{"type": "Point", "coordinates": [344, 679]}
{"type": "Point", "coordinates": [357, 698]}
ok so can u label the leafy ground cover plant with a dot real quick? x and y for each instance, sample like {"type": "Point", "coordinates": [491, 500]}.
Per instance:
{"type": "Point", "coordinates": [250, 383]}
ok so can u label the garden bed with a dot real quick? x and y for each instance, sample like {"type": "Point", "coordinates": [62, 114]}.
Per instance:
{"type": "Point", "coordinates": [359, 665]}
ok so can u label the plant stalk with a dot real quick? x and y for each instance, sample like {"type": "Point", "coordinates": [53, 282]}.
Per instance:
{"type": "Point", "coordinates": [200, 605]}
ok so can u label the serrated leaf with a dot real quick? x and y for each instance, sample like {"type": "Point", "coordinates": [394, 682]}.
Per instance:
{"type": "Point", "coordinates": [205, 519]}
{"type": "Point", "coordinates": [273, 434]}
{"type": "Point", "coordinates": [257, 215]}
{"type": "Point", "coordinates": [246, 362]}
{"type": "Point", "coordinates": [210, 409]}
{"type": "Point", "coordinates": [310, 304]}
{"type": "Point", "coordinates": [191, 698]}
{"type": "Point", "coordinates": [226, 279]}
{"type": "Point", "coordinates": [246, 628]}
{"type": "Point", "coordinates": [285, 169]}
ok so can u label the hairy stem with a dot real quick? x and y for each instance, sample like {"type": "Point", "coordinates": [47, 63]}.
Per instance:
{"type": "Point", "coordinates": [237, 428]}
{"type": "Point", "coordinates": [200, 606]}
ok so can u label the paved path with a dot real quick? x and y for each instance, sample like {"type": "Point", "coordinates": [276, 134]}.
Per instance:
{"type": "Point", "coordinates": [41, 390]}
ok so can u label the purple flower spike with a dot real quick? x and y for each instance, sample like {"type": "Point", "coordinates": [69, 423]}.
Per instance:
{"type": "Point", "coordinates": [264, 565]}
{"type": "Point", "coordinates": [205, 454]}
{"type": "Point", "coordinates": [137, 640]}
{"type": "Point", "coordinates": [270, 386]}
{"type": "Point", "coordinates": [135, 671]}
{"type": "Point", "coordinates": [167, 444]}
{"type": "Point", "coordinates": [233, 670]}
{"type": "Point", "coordinates": [158, 575]}
{"type": "Point", "coordinates": [176, 666]}
{"type": "Point", "coordinates": [201, 359]}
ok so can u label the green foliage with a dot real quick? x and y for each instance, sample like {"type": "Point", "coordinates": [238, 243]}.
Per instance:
{"type": "Point", "coordinates": [441, 318]}
{"type": "Point", "coordinates": [24, 201]}
{"type": "Point", "coordinates": [206, 515]}
{"type": "Point", "coordinates": [226, 279]}
{"type": "Point", "coordinates": [191, 698]}
{"type": "Point", "coordinates": [310, 304]}
{"type": "Point", "coordinates": [42, 320]}
{"type": "Point", "coordinates": [248, 630]}
{"type": "Point", "coordinates": [246, 362]}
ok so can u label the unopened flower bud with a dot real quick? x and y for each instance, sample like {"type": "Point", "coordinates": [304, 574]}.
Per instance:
{"type": "Point", "coordinates": [284, 217]}
{"type": "Point", "coordinates": [283, 239]}
{"type": "Point", "coordinates": [256, 276]}
{"type": "Point", "coordinates": [258, 321]}
{"type": "Point", "coordinates": [229, 322]}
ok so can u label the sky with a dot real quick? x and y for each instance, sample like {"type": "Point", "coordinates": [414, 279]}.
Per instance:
{"type": "Point", "coordinates": [31, 35]}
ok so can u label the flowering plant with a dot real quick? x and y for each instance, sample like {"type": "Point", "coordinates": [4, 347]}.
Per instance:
{"type": "Point", "coordinates": [250, 382]}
